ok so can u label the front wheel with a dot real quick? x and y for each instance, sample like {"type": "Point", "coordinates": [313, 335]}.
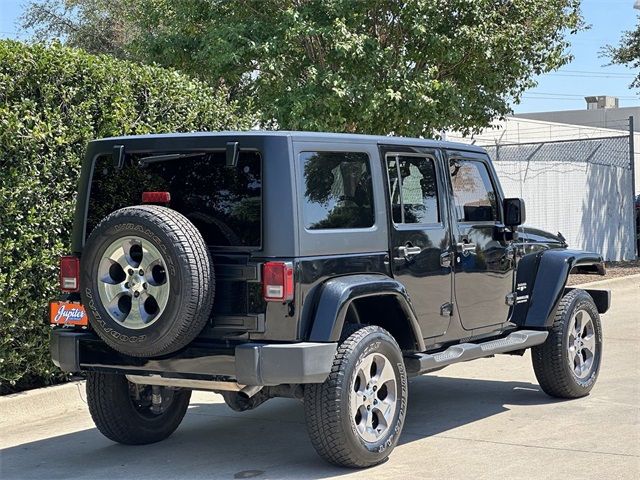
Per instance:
{"type": "Point", "coordinates": [568, 362]}
{"type": "Point", "coordinates": [128, 413]}
{"type": "Point", "coordinates": [355, 417]}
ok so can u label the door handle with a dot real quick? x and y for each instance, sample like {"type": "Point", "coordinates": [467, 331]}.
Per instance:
{"type": "Point", "coordinates": [466, 248]}
{"type": "Point", "coordinates": [408, 251]}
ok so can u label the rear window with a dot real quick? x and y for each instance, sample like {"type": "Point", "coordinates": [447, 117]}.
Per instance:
{"type": "Point", "coordinates": [414, 199]}
{"type": "Point", "coordinates": [337, 190]}
{"type": "Point", "coordinates": [224, 203]}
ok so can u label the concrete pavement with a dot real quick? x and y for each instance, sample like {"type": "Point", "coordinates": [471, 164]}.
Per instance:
{"type": "Point", "coordinates": [485, 419]}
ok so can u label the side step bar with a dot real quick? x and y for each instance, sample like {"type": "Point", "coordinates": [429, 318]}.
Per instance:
{"type": "Point", "coordinates": [424, 362]}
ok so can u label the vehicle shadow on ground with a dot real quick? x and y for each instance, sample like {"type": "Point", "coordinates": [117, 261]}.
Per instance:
{"type": "Point", "coordinates": [269, 442]}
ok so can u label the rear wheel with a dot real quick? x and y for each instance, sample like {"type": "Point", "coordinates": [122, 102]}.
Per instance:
{"type": "Point", "coordinates": [134, 414]}
{"type": "Point", "coordinates": [355, 417]}
{"type": "Point", "coordinates": [568, 362]}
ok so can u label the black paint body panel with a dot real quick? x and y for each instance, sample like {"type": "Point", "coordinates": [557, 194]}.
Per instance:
{"type": "Point", "coordinates": [545, 275]}
{"type": "Point", "coordinates": [312, 273]}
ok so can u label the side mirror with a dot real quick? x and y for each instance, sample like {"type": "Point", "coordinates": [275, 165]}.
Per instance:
{"type": "Point", "coordinates": [514, 211]}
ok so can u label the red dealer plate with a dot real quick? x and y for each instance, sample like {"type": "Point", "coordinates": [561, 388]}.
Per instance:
{"type": "Point", "coordinates": [67, 313]}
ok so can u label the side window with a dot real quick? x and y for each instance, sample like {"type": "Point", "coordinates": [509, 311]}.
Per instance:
{"type": "Point", "coordinates": [338, 192]}
{"type": "Point", "coordinates": [473, 193]}
{"type": "Point", "coordinates": [413, 189]}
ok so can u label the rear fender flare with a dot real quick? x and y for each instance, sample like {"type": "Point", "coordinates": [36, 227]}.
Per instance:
{"type": "Point", "coordinates": [338, 293]}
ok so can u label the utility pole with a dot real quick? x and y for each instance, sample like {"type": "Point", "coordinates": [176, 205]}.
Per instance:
{"type": "Point", "coordinates": [632, 164]}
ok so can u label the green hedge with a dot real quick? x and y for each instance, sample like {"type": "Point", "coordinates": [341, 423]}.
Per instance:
{"type": "Point", "coordinates": [54, 99]}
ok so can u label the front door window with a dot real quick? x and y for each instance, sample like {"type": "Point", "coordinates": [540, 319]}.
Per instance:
{"type": "Point", "coordinates": [473, 193]}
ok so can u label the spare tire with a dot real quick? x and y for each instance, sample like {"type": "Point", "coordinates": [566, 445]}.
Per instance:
{"type": "Point", "coordinates": [147, 280]}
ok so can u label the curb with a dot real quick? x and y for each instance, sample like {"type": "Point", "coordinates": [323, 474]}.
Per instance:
{"type": "Point", "coordinates": [42, 403]}
{"type": "Point", "coordinates": [610, 281]}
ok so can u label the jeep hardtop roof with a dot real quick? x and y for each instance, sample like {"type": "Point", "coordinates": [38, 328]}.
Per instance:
{"type": "Point", "coordinates": [302, 137]}
{"type": "Point", "coordinates": [280, 236]}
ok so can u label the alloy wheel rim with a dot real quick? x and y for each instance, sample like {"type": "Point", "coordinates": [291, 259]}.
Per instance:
{"type": "Point", "coordinates": [373, 397]}
{"type": "Point", "coordinates": [581, 344]}
{"type": "Point", "coordinates": [133, 284]}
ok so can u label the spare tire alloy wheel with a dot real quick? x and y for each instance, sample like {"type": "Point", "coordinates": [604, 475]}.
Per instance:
{"type": "Point", "coordinates": [147, 281]}
{"type": "Point", "coordinates": [133, 283]}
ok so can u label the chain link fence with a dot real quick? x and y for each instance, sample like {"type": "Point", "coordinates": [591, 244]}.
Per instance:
{"type": "Point", "coordinates": [581, 188]}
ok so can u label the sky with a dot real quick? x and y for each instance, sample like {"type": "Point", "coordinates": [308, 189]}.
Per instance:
{"type": "Point", "coordinates": [564, 89]}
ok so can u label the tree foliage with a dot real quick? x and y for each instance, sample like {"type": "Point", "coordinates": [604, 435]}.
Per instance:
{"type": "Point", "coordinates": [409, 67]}
{"type": "Point", "coordinates": [53, 100]}
{"type": "Point", "coordinates": [627, 52]}
{"type": "Point", "coordinates": [97, 26]}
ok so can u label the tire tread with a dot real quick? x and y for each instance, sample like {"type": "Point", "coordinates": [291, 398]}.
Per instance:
{"type": "Point", "coordinates": [322, 402]}
{"type": "Point", "coordinates": [198, 287]}
{"type": "Point", "coordinates": [549, 359]}
{"type": "Point", "coordinates": [107, 397]}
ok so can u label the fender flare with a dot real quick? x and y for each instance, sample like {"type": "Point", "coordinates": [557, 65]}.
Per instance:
{"type": "Point", "coordinates": [542, 278]}
{"type": "Point", "coordinates": [338, 293]}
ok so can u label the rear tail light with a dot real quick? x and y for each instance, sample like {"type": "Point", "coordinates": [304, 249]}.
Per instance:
{"type": "Point", "coordinates": [156, 197]}
{"type": "Point", "coordinates": [69, 274]}
{"type": "Point", "coordinates": [277, 281]}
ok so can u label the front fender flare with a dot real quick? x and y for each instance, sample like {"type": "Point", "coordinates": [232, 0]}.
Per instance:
{"type": "Point", "coordinates": [543, 276]}
{"type": "Point", "coordinates": [338, 293]}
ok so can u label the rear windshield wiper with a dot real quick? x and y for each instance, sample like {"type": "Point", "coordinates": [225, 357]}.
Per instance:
{"type": "Point", "coordinates": [144, 161]}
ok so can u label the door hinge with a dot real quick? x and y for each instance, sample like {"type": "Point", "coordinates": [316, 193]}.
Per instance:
{"type": "Point", "coordinates": [446, 310]}
{"type": "Point", "coordinates": [510, 299]}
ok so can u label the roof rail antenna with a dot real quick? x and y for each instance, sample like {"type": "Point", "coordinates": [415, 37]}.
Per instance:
{"type": "Point", "coordinates": [233, 152]}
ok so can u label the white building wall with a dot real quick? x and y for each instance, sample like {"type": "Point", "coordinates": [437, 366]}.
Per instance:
{"type": "Point", "coordinates": [589, 204]}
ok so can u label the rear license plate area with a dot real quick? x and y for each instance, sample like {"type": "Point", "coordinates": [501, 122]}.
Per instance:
{"type": "Point", "coordinates": [68, 313]}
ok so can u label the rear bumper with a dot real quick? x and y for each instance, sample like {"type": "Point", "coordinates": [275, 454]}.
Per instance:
{"type": "Point", "coordinates": [259, 364]}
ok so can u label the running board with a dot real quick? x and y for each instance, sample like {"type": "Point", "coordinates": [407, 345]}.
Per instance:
{"type": "Point", "coordinates": [424, 362]}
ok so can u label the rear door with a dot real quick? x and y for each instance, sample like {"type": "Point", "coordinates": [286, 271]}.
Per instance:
{"type": "Point", "coordinates": [484, 265]}
{"type": "Point", "coordinates": [420, 235]}
{"type": "Point", "coordinates": [226, 204]}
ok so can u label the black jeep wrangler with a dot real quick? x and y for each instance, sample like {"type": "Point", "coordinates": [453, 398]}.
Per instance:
{"type": "Point", "coordinates": [323, 267]}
